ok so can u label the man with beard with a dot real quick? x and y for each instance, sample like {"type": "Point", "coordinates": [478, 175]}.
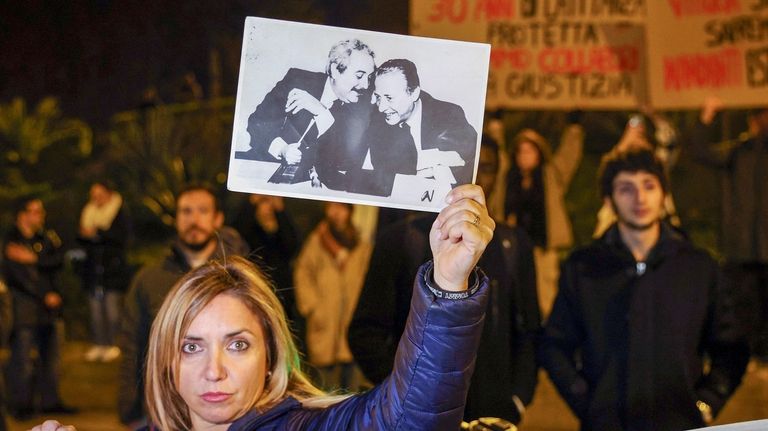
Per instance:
{"type": "Point", "coordinates": [329, 276]}
{"type": "Point", "coordinates": [307, 110]}
{"type": "Point", "coordinates": [638, 312]}
{"type": "Point", "coordinates": [200, 238]}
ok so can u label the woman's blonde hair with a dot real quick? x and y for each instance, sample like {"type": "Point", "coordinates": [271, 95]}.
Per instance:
{"type": "Point", "coordinates": [242, 280]}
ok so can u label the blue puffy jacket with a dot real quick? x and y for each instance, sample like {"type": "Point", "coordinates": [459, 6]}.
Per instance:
{"type": "Point", "coordinates": [428, 386]}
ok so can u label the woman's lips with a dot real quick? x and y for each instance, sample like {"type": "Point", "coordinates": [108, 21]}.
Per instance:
{"type": "Point", "coordinates": [216, 397]}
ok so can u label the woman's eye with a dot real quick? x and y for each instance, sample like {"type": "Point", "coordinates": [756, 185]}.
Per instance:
{"type": "Point", "coordinates": [238, 345]}
{"type": "Point", "coordinates": [190, 348]}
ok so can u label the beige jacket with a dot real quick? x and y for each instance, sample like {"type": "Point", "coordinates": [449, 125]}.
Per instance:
{"type": "Point", "coordinates": [327, 296]}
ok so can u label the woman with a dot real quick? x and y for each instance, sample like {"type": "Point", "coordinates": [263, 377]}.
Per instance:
{"type": "Point", "coordinates": [329, 276]}
{"type": "Point", "coordinates": [535, 200]}
{"type": "Point", "coordinates": [222, 357]}
{"type": "Point", "coordinates": [105, 233]}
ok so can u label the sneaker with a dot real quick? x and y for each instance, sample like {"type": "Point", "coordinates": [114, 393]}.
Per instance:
{"type": "Point", "coordinates": [110, 354]}
{"type": "Point", "coordinates": [61, 409]}
{"type": "Point", "coordinates": [95, 353]}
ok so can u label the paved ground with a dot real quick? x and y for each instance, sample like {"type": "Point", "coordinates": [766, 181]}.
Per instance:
{"type": "Point", "coordinates": [92, 388]}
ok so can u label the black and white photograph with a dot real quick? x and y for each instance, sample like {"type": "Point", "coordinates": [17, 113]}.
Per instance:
{"type": "Point", "coordinates": [356, 116]}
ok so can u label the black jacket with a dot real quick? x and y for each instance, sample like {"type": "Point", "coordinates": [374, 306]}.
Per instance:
{"type": "Point", "coordinates": [105, 263]}
{"type": "Point", "coordinates": [443, 127]}
{"type": "Point", "coordinates": [29, 283]}
{"type": "Point", "coordinates": [336, 151]}
{"type": "Point", "coordinates": [626, 349]}
{"type": "Point", "coordinates": [744, 167]}
{"type": "Point", "coordinates": [505, 365]}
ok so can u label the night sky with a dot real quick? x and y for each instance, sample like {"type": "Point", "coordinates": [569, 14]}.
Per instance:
{"type": "Point", "coordinates": [98, 56]}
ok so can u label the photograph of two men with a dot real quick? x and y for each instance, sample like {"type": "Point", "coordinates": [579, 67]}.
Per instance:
{"type": "Point", "coordinates": [356, 116]}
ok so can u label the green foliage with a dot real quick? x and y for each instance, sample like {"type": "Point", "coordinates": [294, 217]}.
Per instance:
{"type": "Point", "coordinates": [39, 150]}
{"type": "Point", "coordinates": [156, 151]}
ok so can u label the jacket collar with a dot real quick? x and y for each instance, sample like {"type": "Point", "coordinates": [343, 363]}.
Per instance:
{"type": "Point", "coordinates": [670, 243]}
{"type": "Point", "coordinates": [255, 419]}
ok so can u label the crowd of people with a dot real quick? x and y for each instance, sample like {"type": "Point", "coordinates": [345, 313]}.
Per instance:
{"type": "Point", "coordinates": [639, 330]}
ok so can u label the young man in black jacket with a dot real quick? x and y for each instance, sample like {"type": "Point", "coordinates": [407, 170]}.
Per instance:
{"type": "Point", "coordinates": [636, 314]}
{"type": "Point", "coordinates": [505, 374]}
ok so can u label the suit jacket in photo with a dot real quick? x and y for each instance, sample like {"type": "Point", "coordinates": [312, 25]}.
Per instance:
{"type": "Point", "coordinates": [443, 126]}
{"type": "Point", "coordinates": [342, 144]}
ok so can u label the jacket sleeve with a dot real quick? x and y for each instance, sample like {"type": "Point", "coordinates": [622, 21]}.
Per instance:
{"type": "Point", "coordinates": [561, 337]}
{"type": "Point", "coordinates": [51, 258]}
{"type": "Point", "coordinates": [705, 150]}
{"type": "Point", "coordinates": [119, 232]}
{"type": "Point", "coordinates": [435, 360]}
{"type": "Point", "coordinates": [459, 135]}
{"type": "Point", "coordinates": [567, 158]}
{"type": "Point", "coordinates": [132, 340]}
{"type": "Point", "coordinates": [727, 348]}
{"type": "Point", "coordinates": [265, 123]}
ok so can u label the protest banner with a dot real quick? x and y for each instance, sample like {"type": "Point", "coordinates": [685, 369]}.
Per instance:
{"type": "Point", "coordinates": [356, 116]}
{"type": "Point", "coordinates": [708, 47]}
{"type": "Point", "coordinates": [549, 53]}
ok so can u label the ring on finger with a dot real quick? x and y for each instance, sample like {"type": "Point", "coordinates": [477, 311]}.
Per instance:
{"type": "Point", "coordinates": [476, 221]}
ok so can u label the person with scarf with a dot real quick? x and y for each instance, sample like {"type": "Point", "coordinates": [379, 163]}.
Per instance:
{"type": "Point", "coordinates": [537, 182]}
{"type": "Point", "coordinates": [329, 276]}
{"type": "Point", "coordinates": [105, 232]}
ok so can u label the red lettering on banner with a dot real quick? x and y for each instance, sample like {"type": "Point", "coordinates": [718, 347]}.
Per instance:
{"type": "Point", "coordinates": [454, 11]}
{"type": "Point", "coordinates": [682, 8]}
{"type": "Point", "coordinates": [582, 60]}
{"type": "Point", "coordinates": [517, 59]}
{"type": "Point", "coordinates": [492, 10]}
{"type": "Point", "coordinates": [715, 70]}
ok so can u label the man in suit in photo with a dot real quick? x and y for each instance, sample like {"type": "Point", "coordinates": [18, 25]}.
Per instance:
{"type": "Point", "coordinates": [414, 134]}
{"type": "Point", "coordinates": [308, 109]}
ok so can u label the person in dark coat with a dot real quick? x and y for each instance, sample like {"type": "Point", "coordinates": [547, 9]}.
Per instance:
{"type": "Point", "coordinates": [638, 313]}
{"type": "Point", "coordinates": [200, 237]}
{"type": "Point", "coordinates": [271, 234]}
{"type": "Point", "coordinates": [32, 259]}
{"type": "Point", "coordinates": [105, 233]}
{"type": "Point", "coordinates": [306, 110]}
{"type": "Point", "coordinates": [506, 373]}
{"type": "Point", "coordinates": [413, 134]}
{"type": "Point", "coordinates": [743, 164]}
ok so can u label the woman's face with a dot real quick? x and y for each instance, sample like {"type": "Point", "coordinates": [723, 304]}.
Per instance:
{"type": "Point", "coordinates": [223, 363]}
{"type": "Point", "coordinates": [527, 157]}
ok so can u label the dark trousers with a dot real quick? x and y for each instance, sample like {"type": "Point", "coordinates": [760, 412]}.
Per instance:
{"type": "Point", "coordinates": [27, 376]}
{"type": "Point", "coordinates": [749, 282]}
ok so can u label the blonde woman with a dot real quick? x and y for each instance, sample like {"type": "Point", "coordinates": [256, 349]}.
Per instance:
{"type": "Point", "coordinates": [221, 355]}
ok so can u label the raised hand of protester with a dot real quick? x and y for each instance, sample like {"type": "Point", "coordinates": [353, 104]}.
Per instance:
{"type": "Point", "coordinates": [459, 236]}
{"type": "Point", "coordinates": [712, 105]}
{"type": "Point", "coordinates": [301, 100]}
